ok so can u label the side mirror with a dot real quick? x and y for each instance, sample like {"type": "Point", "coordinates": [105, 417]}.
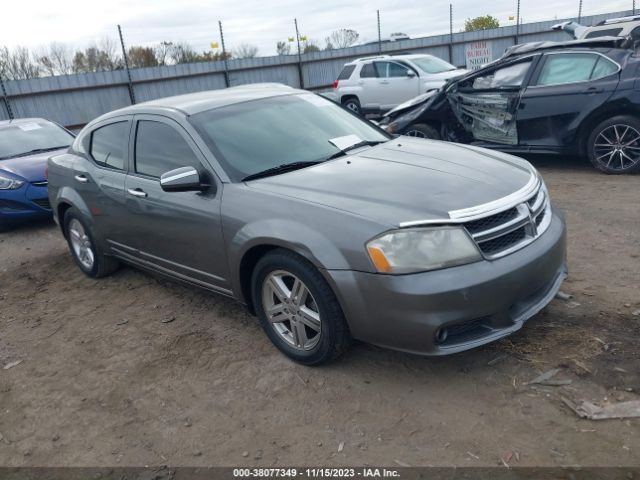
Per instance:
{"type": "Point", "coordinates": [411, 73]}
{"type": "Point", "coordinates": [184, 179]}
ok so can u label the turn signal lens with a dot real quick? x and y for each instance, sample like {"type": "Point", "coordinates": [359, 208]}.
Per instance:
{"type": "Point", "coordinates": [379, 260]}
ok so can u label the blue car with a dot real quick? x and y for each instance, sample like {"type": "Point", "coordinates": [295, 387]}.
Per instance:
{"type": "Point", "coordinates": [25, 145]}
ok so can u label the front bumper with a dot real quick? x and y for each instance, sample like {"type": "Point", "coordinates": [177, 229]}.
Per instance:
{"type": "Point", "coordinates": [454, 309]}
{"type": "Point", "coordinates": [27, 202]}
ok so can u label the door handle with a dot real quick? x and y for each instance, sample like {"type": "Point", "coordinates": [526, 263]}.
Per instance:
{"type": "Point", "coordinates": [81, 178]}
{"type": "Point", "coordinates": [594, 90]}
{"type": "Point", "coordinates": [136, 192]}
{"type": "Point", "coordinates": [384, 82]}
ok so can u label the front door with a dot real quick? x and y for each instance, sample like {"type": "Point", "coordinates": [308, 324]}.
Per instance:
{"type": "Point", "coordinates": [565, 88]}
{"type": "Point", "coordinates": [174, 232]}
{"type": "Point", "coordinates": [397, 84]}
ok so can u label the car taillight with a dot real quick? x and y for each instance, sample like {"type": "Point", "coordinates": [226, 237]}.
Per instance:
{"type": "Point", "coordinates": [46, 172]}
{"type": "Point", "coordinates": [335, 83]}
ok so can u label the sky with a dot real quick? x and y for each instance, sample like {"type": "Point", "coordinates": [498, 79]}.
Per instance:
{"type": "Point", "coordinates": [78, 23]}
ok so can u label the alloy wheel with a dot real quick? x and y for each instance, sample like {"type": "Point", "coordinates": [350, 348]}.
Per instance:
{"type": "Point", "coordinates": [81, 244]}
{"type": "Point", "coordinates": [291, 310]}
{"type": "Point", "coordinates": [617, 147]}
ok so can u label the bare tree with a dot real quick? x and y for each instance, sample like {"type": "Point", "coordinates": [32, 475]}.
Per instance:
{"type": "Point", "coordinates": [309, 46]}
{"type": "Point", "coordinates": [283, 48]}
{"type": "Point", "coordinates": [245, 50]}
{"type": "Point", "coordinates": [183, 53]}
{"type": "Point", "coordinates": [18, 63]}
{"type": "Point", "coordinates": [56, 59]}
{"type": "Point", "coordinates": [163, 52]}
{"type": "Point", "coordinates": [97, 59]}
{"type": "Point", "coordinates": [342, 38]}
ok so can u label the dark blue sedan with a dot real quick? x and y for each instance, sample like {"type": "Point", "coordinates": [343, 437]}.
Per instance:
{"type": "Point", "coordinates": [25, 145]}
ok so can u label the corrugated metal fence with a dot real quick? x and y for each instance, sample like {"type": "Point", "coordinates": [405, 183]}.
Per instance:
{"type": "Point", "coordinates": [74, 100]}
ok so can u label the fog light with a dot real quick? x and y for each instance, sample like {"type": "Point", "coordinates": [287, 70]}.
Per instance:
{"type": "Point", "coordinates": [441, 335]}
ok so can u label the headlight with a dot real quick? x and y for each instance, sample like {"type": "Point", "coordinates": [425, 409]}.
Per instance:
{"type": "Point", "coordinates": [420, 249]}
{"type": "Point", "coordinates": [9, 183]}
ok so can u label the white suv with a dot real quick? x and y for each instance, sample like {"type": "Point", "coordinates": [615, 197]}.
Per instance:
{"type": "Point", "coordinates": [378, 84]}
{"type": "Point", "coordinates": [613, 27]}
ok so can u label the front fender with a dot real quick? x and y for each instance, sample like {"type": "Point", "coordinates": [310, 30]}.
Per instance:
{"type": "Point", "coordinates": [302, 239]}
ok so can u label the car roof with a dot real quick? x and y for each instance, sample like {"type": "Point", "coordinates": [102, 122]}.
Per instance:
{"type": "Point", "coordinates": [20, 121]}
{"type": "Point", "coordinates": [193, 103]}
{"type": "Point", "coordinates": [583, 44]}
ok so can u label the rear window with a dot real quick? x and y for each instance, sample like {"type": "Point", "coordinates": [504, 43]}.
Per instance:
{"type": "Point", "coordinates": [346, 72]}
{"type": "Point", "coordinates": [610, 32]}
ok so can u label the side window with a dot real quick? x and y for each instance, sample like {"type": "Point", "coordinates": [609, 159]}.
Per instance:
{"type": "Point", "coordinates": [509, 76]}
{"type": "Point", "coordinates": [610, 32]}
{"type": "Point", "coordinates": [397, 70]}
{"type": "Point", "coordinates": [382, 69]}
{"type": "Point", "coordinates": [160, 148]}
{"type": "Point", "coordinates": [108, 145]}
{"type": "Point", "coordinates": [368, 71]}
{"type": "Point", "coordinates": [568, 68]}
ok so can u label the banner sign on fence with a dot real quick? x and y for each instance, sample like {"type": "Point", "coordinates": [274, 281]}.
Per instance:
{"type": "Point", "coordinates": [478, 54]}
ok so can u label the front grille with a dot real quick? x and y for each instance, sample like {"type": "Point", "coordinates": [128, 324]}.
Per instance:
{"type": "Point", "coordinates": [42, 203]}
{"type": "Point", "coordinates": [506, 231]}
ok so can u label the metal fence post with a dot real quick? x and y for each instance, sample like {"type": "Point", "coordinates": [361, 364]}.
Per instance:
{"type": "Point", "coordinates": [379, 35]}
{"type": "Point", "coordinates": [451, 33]}
{"type": "Point", "coordinates": [132, 95]}
{"type": "Point", "coordinates": [518, 23]}
{"type": "Point", "coordinates": [579, 11]}
{"type": "Point", "coordinates": [300, 76]}
{"type": "Point", "coordinates": [5, 99]}
{"type": "Point", "coordinates": [224, 57]}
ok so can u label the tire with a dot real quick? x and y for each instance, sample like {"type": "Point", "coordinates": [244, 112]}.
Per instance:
{"type": "Point", "coordinates": [321, 340]}
{"type": "Point", "coordinates": [422, 130]}
{"type": "Point", "coordinates": [614, 145]}
{"type": "Point", "coordinates": [353, 104]}
{"type": "Point", "coordinates": [84, 250]}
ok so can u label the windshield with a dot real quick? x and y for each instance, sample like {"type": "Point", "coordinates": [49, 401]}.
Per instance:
{"type": "Point", "coordinates": [21, 138]}
{"type": "Point", "coordinates": [253, 136]}
{"type": "Point", "coordinates": [432, 64]}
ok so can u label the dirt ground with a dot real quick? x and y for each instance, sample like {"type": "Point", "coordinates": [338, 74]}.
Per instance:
{"type": "Point", "coordinates": [132, 370]}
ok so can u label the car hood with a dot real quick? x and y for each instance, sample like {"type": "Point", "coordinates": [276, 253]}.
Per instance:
{"type": "Point", "coordinates": [31, 167]}
{"type": "Point", "coordinates": [447, 75]}
{"type": "Point", "coordinates": [405, 180]}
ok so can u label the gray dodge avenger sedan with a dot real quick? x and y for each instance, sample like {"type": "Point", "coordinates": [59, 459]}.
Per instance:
{"type": "Point", "coordinates": [326, 227]}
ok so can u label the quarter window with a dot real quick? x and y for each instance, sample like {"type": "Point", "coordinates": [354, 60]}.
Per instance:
{"type": "Point", "coordinates": [509, 76]}
{"type": "Point", "coordinates": [574, 67]}
{"type": "Point", "coordinates": [108, 145]}
{"type": "Point", "coordinates": [346, 72]}
{"type": "Point", "coordinates": [160, 148]}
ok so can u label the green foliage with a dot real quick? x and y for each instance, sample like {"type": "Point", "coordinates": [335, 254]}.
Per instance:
{"type": "Point", "coordinates": [485, 22]}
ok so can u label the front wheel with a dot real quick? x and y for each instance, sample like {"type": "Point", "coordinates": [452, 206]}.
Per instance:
{"type": "Point", "coordinates": [297, 309]}
{"type": "Point", "coordinates": [614, 145]}
{"type": "Point", "coordinates": [422, 130]}
{"type": "Point", "coordinates": [84, 250]}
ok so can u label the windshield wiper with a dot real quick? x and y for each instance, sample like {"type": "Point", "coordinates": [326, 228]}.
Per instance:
{"type": "Point", "coordinates": [285, 167]}
{"type": "Point", "coordinates": [35, 150]}
{"type": "Point", "coordinates": [364, 143]}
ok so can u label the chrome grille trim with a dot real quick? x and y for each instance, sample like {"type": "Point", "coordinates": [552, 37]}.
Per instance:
{"type": "Point", "coordinates": [534, 217]}
{"type": "Point", "coordinates": [44, 183]}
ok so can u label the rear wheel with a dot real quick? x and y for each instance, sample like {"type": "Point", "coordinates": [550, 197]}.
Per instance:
{"type": "Point", "coordinates": [352, 104]}
{"type": "Point", "coordinates": [422, 130]}
{"type": "Point", "coordinates": [614, 145]}
{"type": "Point", "coordinates": [87, 255]}
{"type": "Point", "coordinates": [297, 309]}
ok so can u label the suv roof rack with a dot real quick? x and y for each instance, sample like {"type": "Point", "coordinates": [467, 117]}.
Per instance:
{"type": "Point", "coordinates": [369, 58]}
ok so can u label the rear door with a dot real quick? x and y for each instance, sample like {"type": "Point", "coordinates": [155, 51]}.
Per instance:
{"type": "Point", "coordinates": [99, 175]}
{"type": "Point", "coordinates": [370, 93]}
{"type": "Point", "coordinates": [566, 87]}
{"type": "Point", "coordinates": [396, 83]}
{"type": "Point", "coordinates": [174, 232]}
